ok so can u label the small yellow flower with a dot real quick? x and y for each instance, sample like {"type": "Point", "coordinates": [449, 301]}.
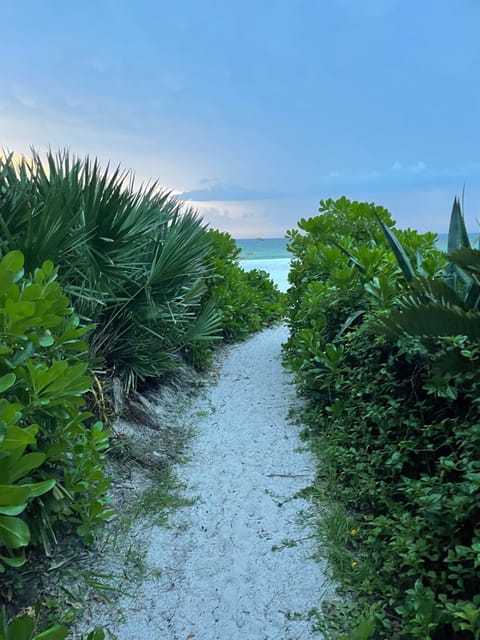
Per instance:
{"type": "Point", "coordinates": [354, 564]}
{"type": "Point", "coordinates": [353, 532]}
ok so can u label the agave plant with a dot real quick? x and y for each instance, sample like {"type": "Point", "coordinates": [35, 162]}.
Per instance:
{"type": "Point", "coordinates": [445, 306]}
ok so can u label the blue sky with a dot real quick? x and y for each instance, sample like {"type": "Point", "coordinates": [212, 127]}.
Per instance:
{"type": "Point", "coordinates": [256, 110]}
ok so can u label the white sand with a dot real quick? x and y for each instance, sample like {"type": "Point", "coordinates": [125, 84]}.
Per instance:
{"type": "Point", "coordinates": [220, 578]}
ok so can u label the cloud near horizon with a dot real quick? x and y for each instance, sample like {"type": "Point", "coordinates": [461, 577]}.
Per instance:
{"type": "Point", "coordinates": [224, 192]}
{"type": "Point", "coordinates": [397, 177]}
{"type": "Point", "coordinates": [423, 210]}
{"type": "Point", "coordinates": [283, 103]}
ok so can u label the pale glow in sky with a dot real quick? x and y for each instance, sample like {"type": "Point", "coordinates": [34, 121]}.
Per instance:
{"type": "Point", "coordinates": [254, 111]}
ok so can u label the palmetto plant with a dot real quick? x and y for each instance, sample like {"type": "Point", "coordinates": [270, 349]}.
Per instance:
{"type": "Point", "coordinates": [133, 261]}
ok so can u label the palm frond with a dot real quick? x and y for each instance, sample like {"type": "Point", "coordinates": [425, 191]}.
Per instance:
{"type": "Point", "coordinates": [133, 261]}
{"type": "Point", "coordinates": [206, 327]}
{"type": "Point", "coordinates": [431, 320]}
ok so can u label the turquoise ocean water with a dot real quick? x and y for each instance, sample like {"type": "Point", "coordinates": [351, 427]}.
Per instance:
{"type": "Point", "coordinates": [276, 248]}
{"type": "Point", "coordinates": [263, 248]}
{"type": "Point", "coordinates": [271, 255]}
{"type": "Point", "coordinates": [442, 239]}
{"type": "Point", "coordinates": [267, 254]}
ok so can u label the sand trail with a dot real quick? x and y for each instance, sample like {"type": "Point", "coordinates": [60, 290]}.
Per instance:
{"type": "Point", "coordinates": [228, 570]}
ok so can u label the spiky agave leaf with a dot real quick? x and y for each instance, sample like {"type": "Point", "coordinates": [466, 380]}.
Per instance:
{"type": "Point", "coordinates": [430, 308]}
{"type": "Point", "coordinates": [466, 263]}
{"type": "Point", "coordinates": [436, 290]}
{"type": "Point", "coordinates": [457, 232]}
{"type": "Point", "coordinates": [399, 252]}
{"type": "Point", "coordinates": [457, 239]}
{"type": "Point", "coordinates": [468, 260]}
{"type": "Point", "coordinates": [350, 256]}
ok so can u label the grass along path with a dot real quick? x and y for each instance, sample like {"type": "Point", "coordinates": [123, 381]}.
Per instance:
{"type": "Point", "coordinates": [235, 564]}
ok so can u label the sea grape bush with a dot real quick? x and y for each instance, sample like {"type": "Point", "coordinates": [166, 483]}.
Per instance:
{"type": "Point", "coordinates": [342, 268]}
{"type": "Point", "coordinates": [397, 422]}
{"type": "Point", "coordinates": [246, 300]}
{"type": "Point", "coordinates": [51, 452]}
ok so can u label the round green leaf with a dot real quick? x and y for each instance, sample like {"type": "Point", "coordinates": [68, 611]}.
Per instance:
{"type": "Point", "coordinates": [46, 339]}
{"type": "Point", "coordinates": [14, 533]}
{"type": "Point", "coordinates": [57, 632]}
{"type": "Point", "coordinates": [14, 510]}
{"type": "Point", "coordinates": [15, 562]}
{"type": "Point", "coordinates": [13, 262]}
{"type": "Point", "coordinates": [22, 628]}
{"type": "Point", "coordinates": [7, 381]}
{"type": "Point", "coordinates": [13, 495]}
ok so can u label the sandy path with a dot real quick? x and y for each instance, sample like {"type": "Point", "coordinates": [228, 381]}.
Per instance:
{"type": "Point", "coordinates": [220, 578]}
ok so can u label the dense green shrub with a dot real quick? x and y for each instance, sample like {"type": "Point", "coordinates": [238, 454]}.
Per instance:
{"type": "Point", "coordinates": [342, 267]}
{"type": "Point", "coordinates": [138, 265]}
{"type": "Point", "coordinates": [401, 457]}
{"type": "Point", "coordinates": [51, 452]}
{"type": "Point", "coordinates": [133, 262]}
{"type": "Point", "coordinates": [396, 420]}
{"type": "Point", "coordinates": [246, 300]}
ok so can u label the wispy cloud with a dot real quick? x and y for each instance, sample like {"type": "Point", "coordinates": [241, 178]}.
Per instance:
{"type": "Point", "coordinates": [261, 218]}
{"type": "Point", "coordinates": [422, 209]}
{"type": "Point", "coordinates": [399, 176]}
{"type": "Point", "coordinates": [229, 193]}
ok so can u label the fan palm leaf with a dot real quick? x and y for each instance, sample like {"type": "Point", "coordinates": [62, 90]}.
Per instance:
{"type": "Point", "coordinates": [133, 261]}
{"type": "Point", "coordinates": [431, 320]}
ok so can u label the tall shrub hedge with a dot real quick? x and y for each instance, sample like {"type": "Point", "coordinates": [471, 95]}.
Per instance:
{"type": "Point", "coordinates": [397, 424]}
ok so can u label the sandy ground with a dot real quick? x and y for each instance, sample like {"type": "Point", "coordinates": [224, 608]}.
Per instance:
{"type": "Point", "coordinates": [221, 577]}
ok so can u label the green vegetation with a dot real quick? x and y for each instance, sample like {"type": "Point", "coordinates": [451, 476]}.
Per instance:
{"type": "Point", "coordinates": [24, 627]}
{"type": "Point", "coordinates": [131, 261]}
{"type": "Point", "coordinates": [135, 263]}
{"type": "Point", "coordinates": [51, 450]}
{"type": "Point", "coordinates": [140, 287]}
{"type": "Point", "coordinates": [246, 300]}
{"type": "Point", "coordinates": [381, 344]}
